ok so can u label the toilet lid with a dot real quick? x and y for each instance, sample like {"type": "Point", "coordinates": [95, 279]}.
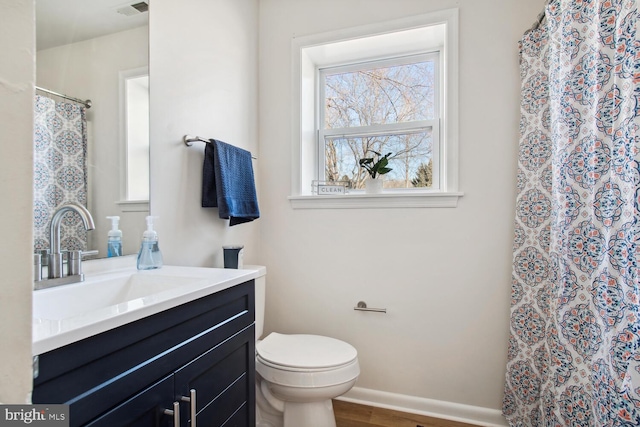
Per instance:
{"type": "Point", "coordinates": [305, 351]}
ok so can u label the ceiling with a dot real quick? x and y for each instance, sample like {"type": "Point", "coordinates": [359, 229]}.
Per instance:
{"type": "Point", "coordinates": [60, 22]}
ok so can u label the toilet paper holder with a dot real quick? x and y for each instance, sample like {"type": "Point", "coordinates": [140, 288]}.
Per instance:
{"type": "Point", "coordinates": [362, 306]}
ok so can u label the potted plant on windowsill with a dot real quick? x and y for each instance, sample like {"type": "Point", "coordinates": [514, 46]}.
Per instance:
{"type": "Point", "coordinates": [375, 166]}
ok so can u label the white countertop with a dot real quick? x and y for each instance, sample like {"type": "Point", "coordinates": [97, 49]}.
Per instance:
{"type": "Point", "coordinates": [61, 317]}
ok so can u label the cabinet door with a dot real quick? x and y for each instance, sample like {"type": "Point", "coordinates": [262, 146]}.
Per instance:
{"type": "Point", "coordinates": [224, 380]}
{"type": "Point", "coordinates": [146, 409]}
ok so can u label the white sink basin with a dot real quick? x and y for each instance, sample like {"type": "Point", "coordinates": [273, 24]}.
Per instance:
{"type": "Point", "coordinates": [109, 298]}
{"type": "Point", "coordinates": [64, 302]}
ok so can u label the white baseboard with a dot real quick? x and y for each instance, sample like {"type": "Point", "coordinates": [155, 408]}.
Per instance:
{"type": "Point", "coordinates": [427, 407]}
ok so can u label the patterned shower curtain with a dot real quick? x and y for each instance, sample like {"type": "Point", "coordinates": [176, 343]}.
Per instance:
{"type": "Point", "coordinates": [60, 170]}
{"type": "Point", "coordinates": [574, 349]}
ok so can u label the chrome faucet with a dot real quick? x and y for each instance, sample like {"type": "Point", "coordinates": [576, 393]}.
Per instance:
{"type": "Point", "coordinates": [55, 253]}
{"type": "Point", "coordinates": [55, 257]}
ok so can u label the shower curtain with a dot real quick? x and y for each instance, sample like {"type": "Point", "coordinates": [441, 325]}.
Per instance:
{"type": "Point", "coordinates": [60, 170]}
{"type": "Point", "coordinates": [573, 356]}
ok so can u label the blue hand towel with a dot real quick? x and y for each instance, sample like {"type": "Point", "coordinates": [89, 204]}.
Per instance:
{"type": "Point", "coordinates": [228, 182]}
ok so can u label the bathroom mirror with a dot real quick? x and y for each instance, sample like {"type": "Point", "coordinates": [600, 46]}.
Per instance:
{"type": "Point", "coordinates": [94, 50]}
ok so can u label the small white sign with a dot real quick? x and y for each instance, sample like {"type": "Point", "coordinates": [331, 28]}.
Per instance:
{"type": "Point", "coordinates": [330, 190]}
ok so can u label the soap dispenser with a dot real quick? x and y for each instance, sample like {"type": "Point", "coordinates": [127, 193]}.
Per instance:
{"type": "Point", "coordinates": [149, 256]}
{"type": "Point", "coordinates": [114, 238]}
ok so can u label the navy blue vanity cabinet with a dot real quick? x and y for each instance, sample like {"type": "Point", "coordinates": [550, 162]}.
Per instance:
{"type": "Point", "coordinates": [132, 375]}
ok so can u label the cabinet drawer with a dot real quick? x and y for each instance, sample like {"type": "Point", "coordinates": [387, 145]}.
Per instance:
{"type": "Point", "coordinates": [98, 373]}
{"type": "Point", "coordinates": [225, 391]}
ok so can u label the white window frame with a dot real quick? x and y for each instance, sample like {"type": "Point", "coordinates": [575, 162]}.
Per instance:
{"type": "Point", "coordinates": [403, 37]}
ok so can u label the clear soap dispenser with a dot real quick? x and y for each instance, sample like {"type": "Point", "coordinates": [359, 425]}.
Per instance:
{"type": "Point", "coordinates": [114, 238]}
{"type": "Point", "coordinates": [149, 256]}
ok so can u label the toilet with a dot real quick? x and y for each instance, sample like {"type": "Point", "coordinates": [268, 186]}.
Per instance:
{"type": "Point", "coordinates": [297, 375]}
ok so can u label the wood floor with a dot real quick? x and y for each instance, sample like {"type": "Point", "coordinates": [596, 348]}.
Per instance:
{"type": "Point", "coordinates": [354, 415]}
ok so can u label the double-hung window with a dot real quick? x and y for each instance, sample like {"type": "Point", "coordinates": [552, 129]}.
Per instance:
{"type": "Point", "coordinates": [385, 106]}
{"type": "Point", "coordinates": [383, 88]}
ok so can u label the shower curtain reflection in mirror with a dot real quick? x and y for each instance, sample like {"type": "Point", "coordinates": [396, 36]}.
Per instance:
{"type": "Point", "coordinates": [60, 170]}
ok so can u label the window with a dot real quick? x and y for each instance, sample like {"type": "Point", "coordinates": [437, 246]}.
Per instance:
{"type": "Point", "coordinates": [137, 111]}
{"type": "Point", "coordinates": [388, 106]}
{"type": "Point", "coordinates": [384, 88]}
{"type": "Point", "coordinates": [134, 140]}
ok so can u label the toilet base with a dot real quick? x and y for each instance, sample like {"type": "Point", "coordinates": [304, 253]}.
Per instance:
{"type": "Point", "coordinates": [316, 414]}
{"type": "Point", "coordinates": [266, 415]}
{"type": "Point", "coordinates": [310, 414]}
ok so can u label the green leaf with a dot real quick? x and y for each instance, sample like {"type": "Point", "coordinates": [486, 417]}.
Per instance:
{"type": "Point", "coordinates": [382, 163]}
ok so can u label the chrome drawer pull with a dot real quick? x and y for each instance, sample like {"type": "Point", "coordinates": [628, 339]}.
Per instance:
{"type": "Point", "coordinates": [192, 400]}
{"type": "Point", "coordinates": [175, 413]}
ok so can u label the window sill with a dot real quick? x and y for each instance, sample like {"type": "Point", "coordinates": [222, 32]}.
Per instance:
{"type": "Point", "coordinates": [375, 201]}
{"type": "Point", "coordinates": [133, 205]}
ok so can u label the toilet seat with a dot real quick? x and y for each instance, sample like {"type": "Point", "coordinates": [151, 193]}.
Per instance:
{"type": "Point", "coordinates": [301, 352]}
{"type": "Point", "coordinates": [306, 360]}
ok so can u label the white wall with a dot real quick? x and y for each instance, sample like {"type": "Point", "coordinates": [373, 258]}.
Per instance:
{"type": "Point", "coordinates": [17, 76]}
{"type": "Point", "coordinates": [90, 70]}
{"type": "Point", "coordinates": [442, 274]}
{"type": "Point", "coordinates": [203, 82]}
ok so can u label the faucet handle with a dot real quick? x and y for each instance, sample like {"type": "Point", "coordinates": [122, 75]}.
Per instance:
{"type": "Point", "coordinates": [37, 267]}
{"type": "Point", "coordinates": [94, 252]}
{"type": "Point", "coordinates": [44, 256]}
{"type": "Point", "coordinates": [74, 263]}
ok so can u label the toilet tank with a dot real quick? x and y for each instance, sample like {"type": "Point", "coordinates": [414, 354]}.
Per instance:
{"type": "Point", "coordinates": [260, 288]}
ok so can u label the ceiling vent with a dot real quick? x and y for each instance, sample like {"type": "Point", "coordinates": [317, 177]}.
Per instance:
{"type": "Point", "coordinates": [133, 9]}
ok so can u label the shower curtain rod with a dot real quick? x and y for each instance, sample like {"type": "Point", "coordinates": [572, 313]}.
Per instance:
{"type": "Point", "coordinates": [86, 103]}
